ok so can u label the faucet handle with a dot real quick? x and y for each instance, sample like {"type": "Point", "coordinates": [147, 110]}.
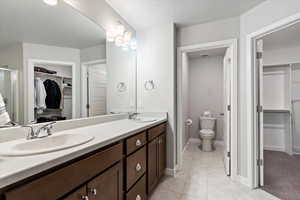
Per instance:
{"type": "Point", "coordinates": [48, 127]}
{"type": "Point", "coordinates": [31, 134]}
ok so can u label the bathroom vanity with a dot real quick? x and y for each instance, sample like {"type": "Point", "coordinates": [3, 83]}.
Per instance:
{"type": "Point", "coordinates": [125, 165]}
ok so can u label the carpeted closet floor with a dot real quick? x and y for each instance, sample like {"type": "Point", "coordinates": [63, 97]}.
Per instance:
{"type": "Point", "coordinates": [282, 175]}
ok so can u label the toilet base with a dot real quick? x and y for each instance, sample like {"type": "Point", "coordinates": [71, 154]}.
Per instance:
{"type": "Point", "coordinates": [207, 145]}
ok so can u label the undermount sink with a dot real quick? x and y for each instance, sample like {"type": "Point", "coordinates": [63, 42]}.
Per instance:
{"type": "Point", "coordinates": [43, 145]}
{"type": "Point", "coordinates": [145, 119]}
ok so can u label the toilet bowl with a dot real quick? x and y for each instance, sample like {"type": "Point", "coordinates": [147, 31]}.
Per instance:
{"type": "Point", "coordinates": [207, 133]}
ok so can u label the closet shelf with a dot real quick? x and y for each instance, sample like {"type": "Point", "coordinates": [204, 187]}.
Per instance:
{"type": "Point", "coordinates": [278, 65]}
{"type": "Point", "coordinates": [276, 110]}
{"type": "Point", "coordinates": [51, 75]}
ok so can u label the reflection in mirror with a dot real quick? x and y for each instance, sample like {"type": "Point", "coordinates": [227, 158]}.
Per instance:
{"type": "Point", "coordinates": [65, 69]}
{"type": "Point", "coordinates": [8, 96]}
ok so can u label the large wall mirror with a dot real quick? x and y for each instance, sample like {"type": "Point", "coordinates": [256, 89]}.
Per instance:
{"type": "Point", "coordinates": [55, 64]}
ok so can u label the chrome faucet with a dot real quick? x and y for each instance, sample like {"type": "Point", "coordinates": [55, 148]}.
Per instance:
{"type": "Point", "coordinates": [132, 115]}
{"type": "Point", "coordinates": [36, 134]}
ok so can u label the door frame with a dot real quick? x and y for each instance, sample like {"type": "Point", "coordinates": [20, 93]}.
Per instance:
{"type": "Point", "coordinates": [83, 75]}
{"type": "Point", "coordinates": [253, 147]}
{"type": "Point", "coordinates": [181, 53]}
{"type": "Point", "coordinates": [29, 100]}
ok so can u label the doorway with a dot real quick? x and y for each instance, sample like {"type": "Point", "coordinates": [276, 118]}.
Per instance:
{"type": "Point", "coordinates": [228, 113]}
{"type": "Point", "coordinates": [94, 88]}
{"type": "Point", "coordinates": [277, 98]}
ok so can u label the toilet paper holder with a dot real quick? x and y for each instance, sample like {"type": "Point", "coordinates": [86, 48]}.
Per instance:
{"type": "Point", "coordinates": [189, 122]}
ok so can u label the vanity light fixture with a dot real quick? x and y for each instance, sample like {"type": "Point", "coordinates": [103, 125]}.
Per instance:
{"type": "Point", "coordinates": [121, 37]}
{"type": "Point", "coordinates": [51, 2]}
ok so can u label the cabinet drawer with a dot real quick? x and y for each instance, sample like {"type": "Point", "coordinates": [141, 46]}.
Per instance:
{"type": "Point", "coordinates": [156, 131]}
{"type": "Point", "coordinates": [135, 142]}
{"type": "Point", "coordinates": [61, 181]}
{"type": "Point", "coordinates": [136, 167]}
{"type": "Point", "coordinates": [138, 192]}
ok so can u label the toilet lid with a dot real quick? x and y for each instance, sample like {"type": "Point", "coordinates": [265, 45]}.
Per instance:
{"type": "Point", "coordinates": [207, 132]}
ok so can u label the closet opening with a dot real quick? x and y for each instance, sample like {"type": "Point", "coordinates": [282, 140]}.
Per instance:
{"type": "Point", "coordinates": [278, 112]}
{"type": "Point", "coordinates": [207, 107]}
{"type": "Point", "coordinates": [52, 84]}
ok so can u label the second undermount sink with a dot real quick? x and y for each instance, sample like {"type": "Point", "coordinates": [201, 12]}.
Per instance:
{"type": "Point", "coordinates": [44, 145]}
{"type": "Point", "coordinates": [145, 119]}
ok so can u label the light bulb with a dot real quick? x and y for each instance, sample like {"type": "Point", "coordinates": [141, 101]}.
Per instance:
{"type": "Point", "coordinates": [111, 34]}
{"type": "Point", "coordinates": [119, 41]}
{"type": "Point", "coordinates": [120, 29]}
{"type": "Point", "coordinates": [127, 37]}
{"type": "Point", "coordinates": [51, 2]}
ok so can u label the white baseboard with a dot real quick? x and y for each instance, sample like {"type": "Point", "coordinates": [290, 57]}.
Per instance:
{"type": "Point", "coordinates": [296, 149]}
{"type": "Point", "coordinates": [170, 172]}
{"type": "Point", "coordinates": [274, 148]}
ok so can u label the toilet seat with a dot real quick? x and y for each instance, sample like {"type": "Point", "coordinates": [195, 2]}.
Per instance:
{"type": "Point", "coordinates": [207, 132]}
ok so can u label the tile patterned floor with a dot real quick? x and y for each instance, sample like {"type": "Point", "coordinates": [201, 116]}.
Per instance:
{"type": "Point", "coordinates": [203, 178]}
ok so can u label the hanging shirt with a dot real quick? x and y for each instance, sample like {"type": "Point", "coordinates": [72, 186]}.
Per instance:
{"type": "Point", "coordinates": [39, 95]}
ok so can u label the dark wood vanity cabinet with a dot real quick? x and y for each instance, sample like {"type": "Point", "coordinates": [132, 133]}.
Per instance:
{"type": "Point", "coordinates": [129, 169]}
{"type": "Point", "coordinates": [78, 194]}
{"type": "Point", "coordinates": [156, 156]}
{"type": "Point", "coordinates": [162, 155]}
{"type": "Point", "coordinates": [107, 185]}
{"type": "Point", "coordinates": [152, 165]}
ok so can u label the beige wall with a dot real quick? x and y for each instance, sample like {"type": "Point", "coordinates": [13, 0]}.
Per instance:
{"type": "Point", "coordinates": [156, 61]}
{"type": "Point", "coordinates": [206, 88]}
{"type": "Point", "coordinates": [209, 32]}
{"type": "Point", "coordinates": [263, 15]}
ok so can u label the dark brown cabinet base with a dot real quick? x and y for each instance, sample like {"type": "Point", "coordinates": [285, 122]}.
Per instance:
{"type": "Point", "coordinates": [156, 156]}
{"type": "Point", "coordinates": [129, 169]}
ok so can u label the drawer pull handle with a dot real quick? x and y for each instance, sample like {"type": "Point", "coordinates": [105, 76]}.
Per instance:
{"type": "Point", "coordinates": [84, 198]}
{"type": "Point", "coordinates": [138, 197]}
{"type": "Point", "coordinates": [138, 143]}
{"type": "Point", "coordinates": [93, 191]}
{"type": "Point", "coordinates": [138, 167]}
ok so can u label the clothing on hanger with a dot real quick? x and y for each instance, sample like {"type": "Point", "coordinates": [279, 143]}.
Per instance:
{"type": "Point", "coordinates": [53, 98]}
{"type": "Point", "coordinates": [39, 95]}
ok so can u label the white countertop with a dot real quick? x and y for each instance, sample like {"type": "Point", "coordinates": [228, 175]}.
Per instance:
{"type": "Point", "coordinates": [14, 169]}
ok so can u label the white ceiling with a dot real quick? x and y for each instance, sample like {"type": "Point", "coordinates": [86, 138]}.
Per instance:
{"type": "Point", "coordinates": [146, 13]}
{"type": "Point", "coordinates": [286, 38]}
{"type": "Point", "coordinates": [33, 21]}
{"type": "Point", "coordinates": [210, 52]}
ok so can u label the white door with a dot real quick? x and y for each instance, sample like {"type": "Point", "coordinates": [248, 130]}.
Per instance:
{"type": "Point", "coordinates": [260, 114]}
{"type": "Point", "coordinates": [227, 66]}
{"type": "Point", "coordinates": [97, 84]}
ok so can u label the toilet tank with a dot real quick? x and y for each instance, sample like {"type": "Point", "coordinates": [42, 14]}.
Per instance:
{"type": "Point", "coordinates": [207, 122]}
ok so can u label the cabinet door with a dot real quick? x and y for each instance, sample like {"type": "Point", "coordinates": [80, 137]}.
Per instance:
{"type": "Point", "coordinates": [152, 164]}
{"type": "Point", "coordinates": [79, 194]}
{"type": "Point", "coordinates": [162, 162]}
{"type": "Point", "coordinates": [107, 186]}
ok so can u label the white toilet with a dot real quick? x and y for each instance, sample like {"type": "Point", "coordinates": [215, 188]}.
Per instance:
{"type": "Point", "coordinates": [207, 133]}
